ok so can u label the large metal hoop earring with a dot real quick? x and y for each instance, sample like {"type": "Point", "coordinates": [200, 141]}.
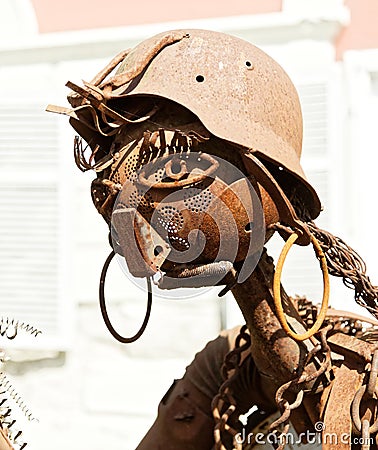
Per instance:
{"type": "Point", "coordinates": [277, 289]}
{"type": "Point", "coordinates": [113, 332]}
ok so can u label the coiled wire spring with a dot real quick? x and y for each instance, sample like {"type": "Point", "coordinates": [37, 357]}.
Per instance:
{"type": "Point", "coordinates": [9, 328]}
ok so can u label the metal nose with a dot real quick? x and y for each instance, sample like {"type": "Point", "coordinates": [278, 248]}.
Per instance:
{"type": "Point", "coordinates": [143, 248]}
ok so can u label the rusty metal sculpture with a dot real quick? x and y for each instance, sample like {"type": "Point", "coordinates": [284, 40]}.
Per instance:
{"type": "Point", "coordinates": [196, 141]}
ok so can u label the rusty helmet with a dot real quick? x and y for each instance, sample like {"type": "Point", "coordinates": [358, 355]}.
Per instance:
{"type": "Point", "coordinates": [238, 92]}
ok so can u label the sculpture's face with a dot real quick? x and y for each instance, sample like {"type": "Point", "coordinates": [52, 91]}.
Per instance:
{"type": "Point", "coordinates": [184, 214]}
{"type": "Point", "coordinates": [189, 215]}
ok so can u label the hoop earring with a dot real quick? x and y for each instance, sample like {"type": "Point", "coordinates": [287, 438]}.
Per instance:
{"type": "Point", "coordinates": [113, 332]}
{"type": "Point", "coordinates": [277, 289]}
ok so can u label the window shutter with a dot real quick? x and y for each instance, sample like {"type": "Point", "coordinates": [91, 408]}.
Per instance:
{"type": "Point", "coordinates": [314, 104]}
{"type": "Point", "coordinates": [316, 154]}
{"type": "Point", "coordinates": [302, 274]}
{"type": "Point", "coordinates": [31, 256]}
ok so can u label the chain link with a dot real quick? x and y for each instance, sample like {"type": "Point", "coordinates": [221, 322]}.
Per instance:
{"type": "Point", "coordinates": [365, 432]}
{"type": "Point", "coordinates": [284, 406]}
{"type": "Point", "coordinates": [285, 409]}
{"type": "Point", "coordinates": [365, 394]}
{"type": "Point", "coordinates": [372, 383]}
{"type": "Point", "coordinates": [224, 404]}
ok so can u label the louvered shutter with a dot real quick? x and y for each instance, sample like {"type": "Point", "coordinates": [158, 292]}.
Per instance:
{"type": "Point", "coordinates": [31, 249]}
{"type": "Point", "coordinates": [315, 159]}
{"type": "Point", "coordinates": [302, 275]}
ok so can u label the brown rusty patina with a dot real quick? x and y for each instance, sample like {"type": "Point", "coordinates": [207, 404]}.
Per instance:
{"type": "Point", "coordinates": [202, 198]}
{"type": "Point", "coordinates": [197, 92]}
{"type": "Point", "coordinates": [277, 356]}
{"type": "Point", "coordinates": [225, 82]}
{"type": "Point", "coordinates": [5, 443]}
{"type": "Point", "coordinates": [228, 84]}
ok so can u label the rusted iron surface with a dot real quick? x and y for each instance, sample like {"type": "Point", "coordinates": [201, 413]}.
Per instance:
{"type": "Point", "coordinates": [235, 383]}
{"type": "Point", "coordinates": [276, 355]}
{"type": "Point", "coordinates": [226, 71]}
{"type": "Point", "coordinates": [286, 210]}
{"type": "Point", "coordinates": [217, 67]}
{"type": "Point", "coordinates": [182, 422]}
{"type": "Point", "coordinates": [344, 344]}
{"type": "Point", "coordinates": [199, 204]}
{"type": "Point", "coordinates": [142, 260]}
{"type": "Point", "coordinates": [194, 139]}
{"type": "Point", "coordinates": [337, 417]}
{"type": "Point", "coordinates": [184, 419]}
{"type": "Point", "coordinates": [5, 443]}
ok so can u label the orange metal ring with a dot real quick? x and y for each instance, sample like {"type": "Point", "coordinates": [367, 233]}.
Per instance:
{"type": "Point", "coordinates": [277, 289]}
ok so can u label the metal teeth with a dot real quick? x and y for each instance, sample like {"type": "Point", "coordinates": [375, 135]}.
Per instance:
{"type": "Point", "coordinates": [81, 161]}
{"type": "Point", "coordinates": [163, 142]}
{"type": "Point", "coordinates": [152, 146]}
{"type": "Point", "coordinates": [79, 155]}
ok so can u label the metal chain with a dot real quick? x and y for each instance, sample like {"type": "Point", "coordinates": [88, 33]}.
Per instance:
{"type": "Point", "coordinates": [284, 406]}
{"type": "Point", "coordinates": [224, 403]}
{"type": "Point", "coordinates": [365, 394]}
{"type": "Point", "coordinates": [344, 262]}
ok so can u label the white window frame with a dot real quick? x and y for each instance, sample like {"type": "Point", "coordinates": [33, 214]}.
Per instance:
{"type": "Point", "coordinates": [37, 94]}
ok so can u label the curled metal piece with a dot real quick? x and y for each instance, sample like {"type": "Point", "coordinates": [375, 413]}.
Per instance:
{"type": "Point", "coordinates": [10, 327]}
{"type": "Point", "coordinates": [9, 433]}
{"type": "Point", "coordinates": [113, 332]}
{"type": "Point", "coordinates": [124, 77]}
{"type": "Point", "coordinates": [79, 155]}
{"type": "Point", "coordinates": [191, 276]}
{"type": "Point", "coordinates": [100, 77]}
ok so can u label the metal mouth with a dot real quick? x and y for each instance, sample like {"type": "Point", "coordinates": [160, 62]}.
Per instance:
{"type": "Point", "coordinates": [196, 275]}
